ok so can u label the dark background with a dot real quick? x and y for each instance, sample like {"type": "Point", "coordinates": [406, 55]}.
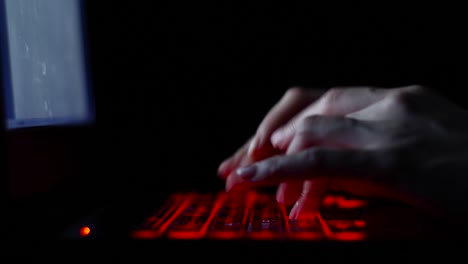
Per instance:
{"type": "Point", "coordinates": [180, 86]}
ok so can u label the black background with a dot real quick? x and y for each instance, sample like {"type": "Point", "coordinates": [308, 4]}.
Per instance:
{"type": "Point", "coordinates": [180, 86]}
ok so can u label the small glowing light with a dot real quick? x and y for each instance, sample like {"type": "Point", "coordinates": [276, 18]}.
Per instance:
{"type": "Point", "coordinates": [84, 231]}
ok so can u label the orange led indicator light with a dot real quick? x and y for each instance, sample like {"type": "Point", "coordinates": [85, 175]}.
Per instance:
{"type": "Point", "coordinates": [84, 231]}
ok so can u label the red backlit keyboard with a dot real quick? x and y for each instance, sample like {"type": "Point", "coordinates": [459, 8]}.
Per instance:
{"type": "Point", "coordinates": [251, 216]}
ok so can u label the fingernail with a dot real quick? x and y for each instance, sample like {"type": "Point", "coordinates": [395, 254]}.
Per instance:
{"type": "Point", "coordinates": [280, 198]}
{"type": "Point", "coordinates": [280, 193]}
{"type": "Point", "coordinates": [223, 168]}
{"type": "Point", "coordinates": [247, 172]}
{"type": "Point", "coordinates": [276, 138]}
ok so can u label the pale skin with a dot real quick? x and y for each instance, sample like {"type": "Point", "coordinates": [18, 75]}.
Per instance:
{"type": "Point", "coordinates": [407, 144]}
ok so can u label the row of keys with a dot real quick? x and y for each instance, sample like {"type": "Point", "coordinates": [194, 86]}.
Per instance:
{"type": "Point", "coordinates": [195, 219]}
{"type": "Point", "coordinates": [252, 216]}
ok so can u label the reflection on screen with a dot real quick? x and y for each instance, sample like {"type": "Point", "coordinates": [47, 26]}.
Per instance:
{"type": "Point", "coordinates": [45, 79]}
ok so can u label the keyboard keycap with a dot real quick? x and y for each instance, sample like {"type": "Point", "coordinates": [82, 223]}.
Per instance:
{"type": "Point", "coordinates": [339, 207]}
{"type": "Point", "coordinates": [252, 216]}
{"type": "Point", "coordinates": [308, 229]}
{"type": "Point", "coordinates": [266, 219]}
{"type": "Point", "coordinates": [155, 225]}
{"type": "Point", "coordinates": [349, 230]}
{"type": "Point", "coordinates": [193, 222]}
{"type": "Point", "coordinates": [229, 221]}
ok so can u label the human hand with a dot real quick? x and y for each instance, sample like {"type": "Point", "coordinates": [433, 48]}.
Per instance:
{"type": "Point", "coordinates": [259, 145]}
{"type": "Point", "coordinates": [406, 144]}
{"type": "Point", "coordinates": [297, 103]}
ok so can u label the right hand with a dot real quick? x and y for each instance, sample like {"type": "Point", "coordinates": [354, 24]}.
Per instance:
{"type": "Point", "coordinates": [296, 105]}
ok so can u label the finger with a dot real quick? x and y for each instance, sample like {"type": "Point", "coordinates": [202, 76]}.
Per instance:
{"type": "Point", "coordinates": [323, 131]}
{"type": "Point", "coordinates": [337, 131]}
{"type": "Point", "coordinates": [237, 185]}
{"type": "Point", "coordinates": [309, 202]}
{"type": "Point", "coordinates": [233, 162]}
{"type": "Point", "coordinates": [367, 173]}
{"type": "Point", "coordinates": [294, 100]}
{"type": "Point", "coordinates": [314, 163]}
{"type": "Point", "coordinates": [337, 101]}
{"type": "Point", "coordinates": [288, 192]}
{"type": "Point", "coordinates": [308, 199]}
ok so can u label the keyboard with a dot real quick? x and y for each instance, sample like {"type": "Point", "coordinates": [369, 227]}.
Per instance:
{"type": "Point", "coordinates": [253, 216]}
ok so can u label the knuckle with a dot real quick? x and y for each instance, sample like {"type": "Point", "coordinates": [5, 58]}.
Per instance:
{"type": "Point", "coordinates": [333, 93]}
{"type": "Point", "coordinates": [308, 121]}
{"type": "Point", "coordinates": [330, 98]}
{"type": "Point", "coordinates": [328, 124]}
{"type": "Point", "coordinates": [291, 127]}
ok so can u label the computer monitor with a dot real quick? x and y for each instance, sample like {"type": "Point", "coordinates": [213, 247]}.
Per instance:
{"type": "Point", "coordinates": [47, 102]}
{"type": "Point", "coordinates": [47, 111]}
{"type": "Point", "coordinates": [45, 78]}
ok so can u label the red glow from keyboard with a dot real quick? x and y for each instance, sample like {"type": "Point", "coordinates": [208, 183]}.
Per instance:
{"type": "Point", "coordinates": [360, 223]}
{"type": "Point", "coordinates": [146, 234]}
{"type": "Point", "coordinates": [349, 203]}
{"type": "Point", "coordinates": [249, 216]}
{"type": "Point", "coordinates": [349, 236]}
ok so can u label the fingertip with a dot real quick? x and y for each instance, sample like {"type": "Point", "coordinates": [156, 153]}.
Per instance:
{"type": "Point", "coordinates": [230, 182]}
{"type": "Point", "coordinates": [224, 168]}
{"type": "Point", "coordinates": [305, 208]}
{"type": "Point", "coordinates": [293, 213]}
{"type": "Point", "coordinates": [280, 193]}
{"type": "Point", "coordinates": [253, 146]}
{"type": "Point", "coordinates": [265, 150]}
{"type": "Point", "coordinates": [246, 173]}
{"type": "Point", "coordinates": [235, 185]}
{"type": "Point", "coordinates": [276, 139]}
{"type": "Point", "coordinates": [260, 148]}
{"type": "Point", "coordinates": [281, 139]}
{"type": "Point", "coordinates": [280, 198]}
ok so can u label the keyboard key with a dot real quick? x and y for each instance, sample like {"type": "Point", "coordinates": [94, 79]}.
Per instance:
{"type": "Point", "coordinates": [341, 214]}
{"type": "Point", "coordinates": [193, 222]}
{"type": "Point", "coordinates": [266, 219]}
{"type": "Point", "coordinates": [252, 216]}
{"type": "Point", "coordinates": [349, 230]}
{"type": "Point", "coordinates": [307, 229]}
{"type": "Point", "coordinates": [340, 207]}
{"type": "Point", "coordinates": [229, 222]}
{"type": "Point", "coordinates": [343, 202]}
{"type": "Point", "coordinates": [155, 225]}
